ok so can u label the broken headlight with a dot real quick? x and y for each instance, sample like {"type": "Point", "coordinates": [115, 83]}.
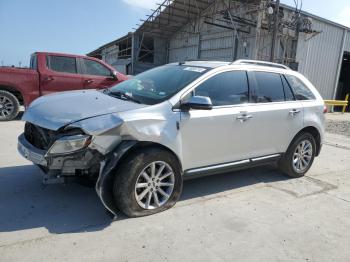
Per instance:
{"type": "Point", "coordinates": [69, 144]}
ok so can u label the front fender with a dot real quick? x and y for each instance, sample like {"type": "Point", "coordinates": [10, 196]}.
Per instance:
{"type": "Point", "coordinates": [105, 181]}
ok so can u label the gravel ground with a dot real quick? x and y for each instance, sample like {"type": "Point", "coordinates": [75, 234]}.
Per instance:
{"type": "Point", "coordinates": [338, 127]}
{"type": "Point", "coordinates": [338, 124]}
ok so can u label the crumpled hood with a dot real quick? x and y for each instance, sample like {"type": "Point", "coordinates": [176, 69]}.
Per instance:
{"type": "Point", "coordinates": [60, 109]}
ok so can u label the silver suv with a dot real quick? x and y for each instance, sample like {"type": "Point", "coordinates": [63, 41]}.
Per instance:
{"type": "Point", "coordinates": [138, 140]}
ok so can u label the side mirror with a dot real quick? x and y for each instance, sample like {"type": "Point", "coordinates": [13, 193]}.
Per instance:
{"type": "Point", "coordinates": [114, 75]}
{"type": "Point", "coordinates": [197, 102]}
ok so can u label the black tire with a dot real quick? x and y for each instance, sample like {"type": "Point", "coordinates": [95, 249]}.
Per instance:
{"type": "Point", "coordinates": [127, 175]}
{"type": "Point", "coordinates": [286, 163]}
{"type": "Point", "coordinates": [10, 100]}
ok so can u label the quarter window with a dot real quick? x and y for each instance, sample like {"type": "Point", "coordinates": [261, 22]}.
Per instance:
{"type": "Point", "coordinates": [268, 87]}
{"type": "Point", "coordinates": [301, 91]}
{"type": "Point", "coordinates": [62, 64]}
{"type": "Point", "coordinates": [229, 88]}
{"type": "Point", "coordinates": [95, 68]}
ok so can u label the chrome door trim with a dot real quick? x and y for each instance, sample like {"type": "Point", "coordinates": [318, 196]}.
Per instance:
{"type": "Point", "coordinates": [251, 161]}
{"type": "Point", "coordinates": [201, 169]}
{"type": "Point", "coordinates": [265, 157]}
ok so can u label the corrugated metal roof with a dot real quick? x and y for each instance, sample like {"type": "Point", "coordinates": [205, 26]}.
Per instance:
{"type": "Point", "coordinates": [172, 15]}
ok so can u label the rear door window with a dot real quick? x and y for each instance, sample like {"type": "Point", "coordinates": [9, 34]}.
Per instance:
{"type": "Point", "coordinates": [301, 91]}
{"type": "Point", "coordinates": [228, 88]}
{"type": "Point", "coordinates": [268, 87]}
{"type": "Point", "coordinates": [62, 64]}
{"type": "Point", "coordinates": [94, 68]}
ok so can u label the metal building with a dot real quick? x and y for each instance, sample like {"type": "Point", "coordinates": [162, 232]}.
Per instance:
{"type": "Point", "coordinates": [227, 30]}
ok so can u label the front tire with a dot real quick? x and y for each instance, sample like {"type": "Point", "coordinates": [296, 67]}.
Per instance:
{"type": "Point", "coordinates": [147, 182]}
{"type": "Point", "coordinates": [9, 106]}
{"type": "Point", "coordinates": [299, 157]}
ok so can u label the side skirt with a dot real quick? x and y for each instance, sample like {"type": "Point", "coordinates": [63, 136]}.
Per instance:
{"type": "Point", "coordinates": [231, 166]}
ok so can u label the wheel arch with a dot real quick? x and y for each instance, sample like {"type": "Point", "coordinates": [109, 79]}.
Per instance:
{"type": "Point", "coordinates": [14, 91]}
{"type": "Point", "coordinates": [104, 185]}
{"type": "Point", "coordinates": [315, 133]}
{"type": "Point", "coordinates": [147, 144]}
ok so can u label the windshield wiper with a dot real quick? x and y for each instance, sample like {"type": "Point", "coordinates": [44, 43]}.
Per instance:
{"type": "Point", "coordinates": [121, 95]}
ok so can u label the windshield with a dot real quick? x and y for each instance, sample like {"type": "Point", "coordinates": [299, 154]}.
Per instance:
{"type": "Point", "coordinates": [158, 84]}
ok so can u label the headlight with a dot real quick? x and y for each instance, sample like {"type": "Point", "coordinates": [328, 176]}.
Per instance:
{"type": "Point", "coordinates": [69, 144]}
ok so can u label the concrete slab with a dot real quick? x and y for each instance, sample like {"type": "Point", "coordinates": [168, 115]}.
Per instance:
{"type": "Point", "coordinates": [252, 215]}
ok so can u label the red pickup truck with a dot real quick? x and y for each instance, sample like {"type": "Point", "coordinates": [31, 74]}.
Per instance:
{"type": "Point", "coordinates": [49, 73]}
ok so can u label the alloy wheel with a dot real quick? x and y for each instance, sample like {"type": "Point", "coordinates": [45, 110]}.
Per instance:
{"type": "Point", "coordinates": [154, 185]}
{"type": "Point", "coordinates": [302, 156]}
{"type": "Point", "coordinates": [6, 106]}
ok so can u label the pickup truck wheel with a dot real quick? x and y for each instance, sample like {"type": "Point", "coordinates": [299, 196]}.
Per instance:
{"type": "Point", "coordinates": [9, 106]}
{"type": "Point", "coordinates": [299, 157]}
{"type": "Point", "coordinates": [148, 181]}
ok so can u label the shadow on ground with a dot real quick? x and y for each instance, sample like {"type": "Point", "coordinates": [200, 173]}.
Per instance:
{"type": "Point", "coordinates": [26, 204]}
{"type": "Point", "coordinates": [19, 116]}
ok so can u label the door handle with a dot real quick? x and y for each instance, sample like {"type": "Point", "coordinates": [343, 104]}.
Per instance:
{"type": "Point", "coordinates": [89, 81]}
{"type": "Point", "coordinates": [244, 117]}
{"type": "Point", "coordinates": [294, 112]}
{"type": "Point", "coordinates": [48, 78]}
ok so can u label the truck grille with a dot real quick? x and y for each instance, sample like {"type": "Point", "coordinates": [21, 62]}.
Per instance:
{"type": "Point", "coordinates": [39, 137]}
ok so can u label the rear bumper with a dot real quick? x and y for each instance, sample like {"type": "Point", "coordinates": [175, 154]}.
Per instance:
{"type": "Point", "coordinates": [30, 152]}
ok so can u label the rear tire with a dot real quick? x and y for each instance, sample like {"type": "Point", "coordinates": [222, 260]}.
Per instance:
{"type": "Point", "coordinates": [9, 106]}
{"type": "Point", "coordinates": [299, 157]}
{"type": "Point", "coordinates": [138, 194]}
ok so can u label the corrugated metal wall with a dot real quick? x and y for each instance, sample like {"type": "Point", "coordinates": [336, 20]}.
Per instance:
{"type": "Point", "coordinates": [160, 51]}
{"type": "Point", "coordinates": [216, 44]}
{"type": "Point", "coordinates": [347, 42]}
{"type": "Point", "coordinates": [183, 46]}
{"type": "Point", "coordinates": [208, 45]}
{"type": "Point", "coordinates": [319, 57]}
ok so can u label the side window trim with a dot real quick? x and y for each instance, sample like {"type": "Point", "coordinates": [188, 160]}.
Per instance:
{"type": "Point", "coordinates": [252, 87]}
{"type": "Point", "coordinates": [249, 88]}
{"type": "Point", "coordinates": [80, 66]}
{"type": "Point", "coordinates": [284, 83]}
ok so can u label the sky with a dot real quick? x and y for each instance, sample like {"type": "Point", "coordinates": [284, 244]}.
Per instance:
{"type": "Point", "coordinates": [81, 26]}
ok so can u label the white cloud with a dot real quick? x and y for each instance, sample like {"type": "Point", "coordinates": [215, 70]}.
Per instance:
{"type": "Point", "coordinates": [144, 4]}
{"type": "Point", "coordinates": [344, 17]}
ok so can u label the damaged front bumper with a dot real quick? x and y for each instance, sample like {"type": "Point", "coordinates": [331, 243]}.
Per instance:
{"type": "Point", "coordinates": [88, 162]}
{"type": "Point", "coordinates": [30, 152]}
{"type": "Point", "coordinates": [68, 164]}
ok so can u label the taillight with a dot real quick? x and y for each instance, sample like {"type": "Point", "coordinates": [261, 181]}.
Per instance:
{"type": "Point", "coordinates": [325, 109]}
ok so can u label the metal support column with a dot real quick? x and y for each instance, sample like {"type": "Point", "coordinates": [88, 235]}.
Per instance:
{"type": "Point", "coordinates": [275, 31]}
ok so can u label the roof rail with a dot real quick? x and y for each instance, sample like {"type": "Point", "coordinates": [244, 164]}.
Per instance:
{"type": "Point", "coordinates": [259, 63]}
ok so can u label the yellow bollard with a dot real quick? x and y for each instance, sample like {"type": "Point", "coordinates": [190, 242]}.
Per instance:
{"type": "Point", "coordinates": [346, 99]}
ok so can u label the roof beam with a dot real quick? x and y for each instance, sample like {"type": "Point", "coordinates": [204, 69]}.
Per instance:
{"type": "Point", "coordinates": [169, 19]}
{"type": "Point", "coordinates": [174, 7]}
{"type": "Point", "coordinates": [183, 4]}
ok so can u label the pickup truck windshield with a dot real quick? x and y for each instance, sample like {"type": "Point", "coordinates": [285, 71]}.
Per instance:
{"type": "Point", "coordinates": [158, 84]}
